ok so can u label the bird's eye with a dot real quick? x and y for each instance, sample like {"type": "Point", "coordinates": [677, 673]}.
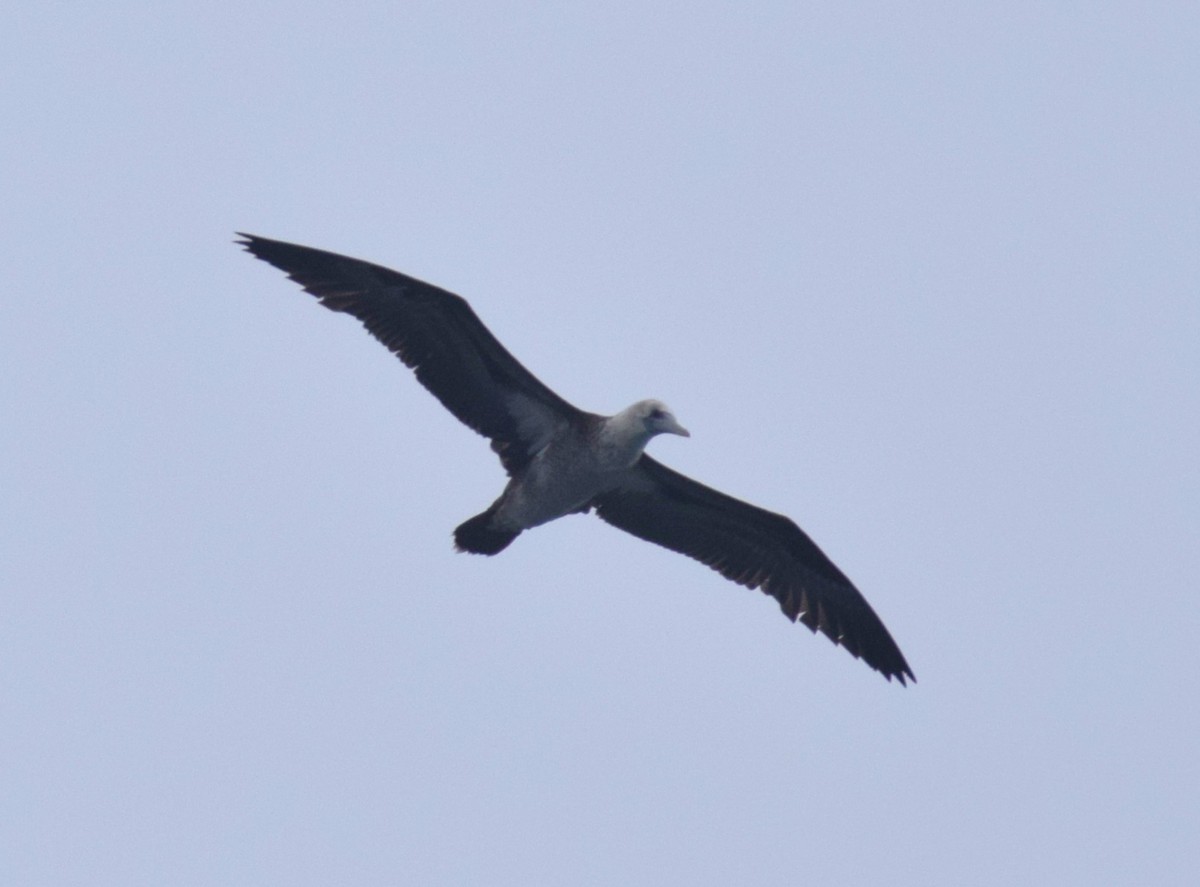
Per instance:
{"type": "Point", "coordinates": [656, 413]}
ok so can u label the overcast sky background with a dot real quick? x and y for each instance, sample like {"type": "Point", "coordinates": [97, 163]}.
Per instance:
{"type": "Point", "coordinates": [923, 277]}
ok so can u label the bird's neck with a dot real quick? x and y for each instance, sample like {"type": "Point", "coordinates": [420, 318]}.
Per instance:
{"type": "Point", "coordinates": [623, 437]}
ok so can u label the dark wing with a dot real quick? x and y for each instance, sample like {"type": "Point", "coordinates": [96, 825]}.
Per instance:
{"type": "Point", "coordinates": [437, 334]}
{"type": "Point", "coordinates": [755, 548]}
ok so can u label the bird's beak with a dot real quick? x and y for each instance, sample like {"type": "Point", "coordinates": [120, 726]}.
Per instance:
{"type": "Point", "coordinates": [676, 428]}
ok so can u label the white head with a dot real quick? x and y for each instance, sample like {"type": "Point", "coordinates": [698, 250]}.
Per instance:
{"type": "Point", "coordinates": [652, 417]}
{"type": "Point", "coordinates": [627, 433]}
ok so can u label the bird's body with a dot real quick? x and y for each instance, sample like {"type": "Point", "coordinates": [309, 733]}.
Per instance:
{"type": "Point", "coordinates": [562, 460]}
{"type": "Point", "coordinates": [581, 461]}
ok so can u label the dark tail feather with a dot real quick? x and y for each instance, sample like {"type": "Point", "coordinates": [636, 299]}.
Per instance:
{"type": "Point", "coordinates": [478, 536]}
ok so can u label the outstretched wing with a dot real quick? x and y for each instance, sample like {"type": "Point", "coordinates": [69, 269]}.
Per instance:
{"type": "Point", "coordinates": [755, 548]}
{"type": "Point", "coordinates": [437, 334]}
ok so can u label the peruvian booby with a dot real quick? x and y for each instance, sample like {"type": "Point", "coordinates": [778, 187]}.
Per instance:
{"type": "Point", "coordinates": [562, 460]}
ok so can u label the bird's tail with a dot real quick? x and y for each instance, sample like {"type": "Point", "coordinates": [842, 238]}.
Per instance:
{"type": "Point", "coordinates": [480, 536]}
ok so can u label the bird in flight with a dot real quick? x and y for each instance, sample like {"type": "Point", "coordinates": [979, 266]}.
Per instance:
{"type": "Point", "coordinates": [562, 460]}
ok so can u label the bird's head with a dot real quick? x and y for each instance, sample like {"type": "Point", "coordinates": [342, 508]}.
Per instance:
{"type": "Point", "coordinates": [657, 419]}
{"type": "Point", "coordinates": [627, 433]}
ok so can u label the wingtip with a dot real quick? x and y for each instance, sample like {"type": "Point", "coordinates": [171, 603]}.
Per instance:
{"type": "Point", "coordinates": [903, 674]}
{"type": "Point", "coordinates": [881, 653]}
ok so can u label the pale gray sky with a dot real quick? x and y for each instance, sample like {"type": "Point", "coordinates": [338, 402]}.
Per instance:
{"type": "Point", "coordinates": [924, 277]}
